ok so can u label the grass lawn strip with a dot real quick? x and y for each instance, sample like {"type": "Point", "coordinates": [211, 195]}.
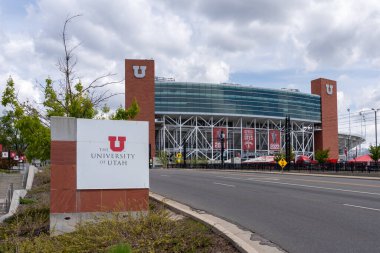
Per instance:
{"type": "Point", "coordinates": [28, 230]}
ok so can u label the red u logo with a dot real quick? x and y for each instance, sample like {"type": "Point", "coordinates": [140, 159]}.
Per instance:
{"type": "Point", "coordinates": [120, 139]}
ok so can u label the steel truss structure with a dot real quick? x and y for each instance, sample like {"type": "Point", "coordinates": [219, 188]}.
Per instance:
{"type": "Point", "coordinates": [196, 132]}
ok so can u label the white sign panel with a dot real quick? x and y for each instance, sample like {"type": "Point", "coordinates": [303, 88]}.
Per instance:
{"type": "Point", "coordinates": [112, 154]}
{"type": "Point", "coordinates": [4, 154]}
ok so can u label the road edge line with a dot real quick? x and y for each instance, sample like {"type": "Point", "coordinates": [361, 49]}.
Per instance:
{"type": "Point", "coordinates": [231, 232]}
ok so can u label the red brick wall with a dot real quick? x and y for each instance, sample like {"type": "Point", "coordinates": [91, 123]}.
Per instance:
{"type": "Point", "coordinates": [142, 89]}
{"type": "Point", "coordinates": [328, 137]}
{"type": "Point", "coordinates": [65, 198]}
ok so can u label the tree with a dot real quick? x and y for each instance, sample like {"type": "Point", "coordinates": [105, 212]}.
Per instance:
{"type": "Point", "coordinates": [322, 155]}
{"type": "Point", "coordinates": [11, 137]}
{"type": "Point", "coordinates": [374, 153]}
{"type": "Point", "coordinates": [22, 129]}
{"type": "Point", "coordinates": [125, 114]}
{"type": "Point", "coordinates": [70, 97]}
{"type": "Point", "coordinates": [25, 127]}
{"type": "Point", "coordinates": [278, 156]}
{"type": "Point", "coordinates": [75, 103]}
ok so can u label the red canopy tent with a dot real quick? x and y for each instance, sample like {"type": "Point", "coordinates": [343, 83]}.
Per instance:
{"type": "Point", "coordinates": [363, 158]}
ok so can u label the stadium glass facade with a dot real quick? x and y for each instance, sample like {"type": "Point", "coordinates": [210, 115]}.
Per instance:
{"type": "Point", "coordinates": [194, 114]}
{"type": "Point", "coordinates": [235, 100]}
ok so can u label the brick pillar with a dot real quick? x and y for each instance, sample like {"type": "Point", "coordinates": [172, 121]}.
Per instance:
{"type": "Point", "coordinates": [139, 85]}
{"type": "Point", "coordinates": [327, 138]}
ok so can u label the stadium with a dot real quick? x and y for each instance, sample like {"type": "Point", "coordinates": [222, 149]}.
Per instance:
{"type": "Point", "coordinates": [247, 121]}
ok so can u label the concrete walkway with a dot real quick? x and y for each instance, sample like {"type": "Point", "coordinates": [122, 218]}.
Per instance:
{"type": "Point", "coordinates": [5, 181]}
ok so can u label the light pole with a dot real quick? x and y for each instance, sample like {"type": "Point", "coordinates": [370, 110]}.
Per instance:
{"type": "Point", "coordinates": [365, 128]}
{"type": "Point", "coordinates": [375, 110]}
{"type": "Point", "coordinates": [349, 133]}
{"type": "Point", "coordinates": [361, 130]}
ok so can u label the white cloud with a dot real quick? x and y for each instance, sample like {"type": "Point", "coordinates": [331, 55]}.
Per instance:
{"type": "Point", "coordinates": [207, 41]}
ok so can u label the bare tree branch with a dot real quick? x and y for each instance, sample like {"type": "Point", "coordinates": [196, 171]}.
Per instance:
{"type": "Point", "coordinates": [102, 99]}
{"type": "Point", "coordinates": [66, 66]}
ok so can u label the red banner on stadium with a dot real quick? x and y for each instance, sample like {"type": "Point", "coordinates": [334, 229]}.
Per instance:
{"type": "Point", "coordinates": [248, 139]}
{"type": "Point", "coordinates": [216, 132]}
{"type": "Point", "coordinates": [274, 139]}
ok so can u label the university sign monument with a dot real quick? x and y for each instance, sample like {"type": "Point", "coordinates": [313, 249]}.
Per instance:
{"type": "Point", "coordinates": [97, 166]}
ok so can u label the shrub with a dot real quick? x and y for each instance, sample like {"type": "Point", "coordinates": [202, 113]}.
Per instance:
{"type": "Point", "coordinates": [26, 201]}
{"type": "Point", "coordinates": [120, 248]}
{"type": "Point", "coordinates": [6, 165]}
{"type": "Point", "coordinates": [374, 153]}
{"type": "Point", "coordinates": [322, 155]}
{"type": "Point", "coordinates": [154, 232]}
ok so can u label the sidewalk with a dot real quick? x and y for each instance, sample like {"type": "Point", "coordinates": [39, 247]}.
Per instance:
{"type": "Point", "coordinates": [5, 181]}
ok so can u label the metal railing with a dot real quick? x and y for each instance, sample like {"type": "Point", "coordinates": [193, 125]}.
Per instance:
{"type": "Point", "coordinates": [343, 167]}
{"type": "Point", "coordinates": [8, 199]}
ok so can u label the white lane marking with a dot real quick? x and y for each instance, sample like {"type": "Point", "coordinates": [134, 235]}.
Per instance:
{"type": "Point", "coordinates": [302, 185]}
{"type": "Point", "coordinates": [229, 185]}
{"type": "Point", "coordinates": [363, 207]}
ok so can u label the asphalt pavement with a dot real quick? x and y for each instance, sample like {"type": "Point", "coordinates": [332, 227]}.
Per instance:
{"type": "Point", "coordinates": [297, 213]}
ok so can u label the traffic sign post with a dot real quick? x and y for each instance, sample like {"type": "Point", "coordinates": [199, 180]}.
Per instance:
{"type": "Point", "coordinates": [282, 163]}
{"type": "Point", "coordinates": [179, 157]}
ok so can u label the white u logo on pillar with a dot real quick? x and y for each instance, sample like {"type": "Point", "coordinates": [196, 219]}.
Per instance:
{"type": "Point", "coordinates": [329, 89]}
{"type": "Point", "coordinates": [136, 70]}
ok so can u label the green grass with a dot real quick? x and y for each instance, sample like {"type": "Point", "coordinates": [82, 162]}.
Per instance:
{"type": "Point", "coordinates": [154, 232]}
{"type": "Point", "coordinates": [120, 248]}
{"type": "Point", "coordinates": [28, 230]}
{"type": "Point", "coordinates": [26, 201]}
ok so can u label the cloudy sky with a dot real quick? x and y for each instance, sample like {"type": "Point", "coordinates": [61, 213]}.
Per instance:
{"type": "Point", "coordinates": [265, 43]}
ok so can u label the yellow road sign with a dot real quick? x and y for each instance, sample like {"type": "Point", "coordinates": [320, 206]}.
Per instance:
{"type": "Point", "coordinates": [282, 163]}
{"type": "Point", "coordinates": [179, 155]}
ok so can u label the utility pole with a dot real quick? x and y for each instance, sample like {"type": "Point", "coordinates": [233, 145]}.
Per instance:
{"type": "Point", "coordinates": [365, 128]}
{"type": "Point", "coordinates": [375, 110]}
{"type": "Point", "coordinates": [349, 133]}
{"type": "Point", "coordinates": [287, 139]}
{"type": "Point", "coordinates": [361, 132]}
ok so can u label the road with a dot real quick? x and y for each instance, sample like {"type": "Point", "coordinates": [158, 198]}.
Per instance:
{"type": "Point", "coordinates": [298, 213]}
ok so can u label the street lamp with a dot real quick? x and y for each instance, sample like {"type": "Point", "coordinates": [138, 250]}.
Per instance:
{"type": "Point", "coordinates": [361, 129]}
{"type": "Point", "coordinates": [365, 128]}
{"type": "Point", "coordinates": [222, 137]}
{"type": "Point", "coordinates": [349, 133]}
{"type": "Point", "coordinates": [375, 110]}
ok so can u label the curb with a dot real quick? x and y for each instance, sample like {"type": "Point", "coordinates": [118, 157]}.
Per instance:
{"type": "Point", "coordinates": [240, 238]}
